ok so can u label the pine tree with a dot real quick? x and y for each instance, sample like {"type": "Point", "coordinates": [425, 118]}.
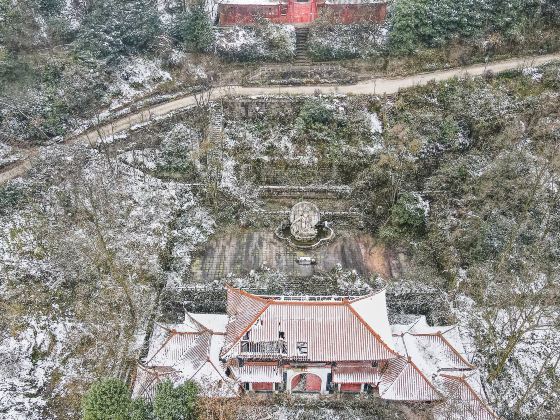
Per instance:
{"type": "Point", "coordinates": [178, 403]}
{"type": "Point", "coordinates": [116, 27]}
{"type": "Point", "coordinates": [195, 28]}
{"type": "Point", "coordinates": [107, 399]}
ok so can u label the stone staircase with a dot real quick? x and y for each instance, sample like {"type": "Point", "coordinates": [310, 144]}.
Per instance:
{"type": "Point", "coordinates": [302, 34]}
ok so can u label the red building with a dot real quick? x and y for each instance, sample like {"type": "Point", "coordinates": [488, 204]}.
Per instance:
{"type": "Point", "coordinates": [243, 12]}
{"type": "Point", "coordinates": [312, 344]}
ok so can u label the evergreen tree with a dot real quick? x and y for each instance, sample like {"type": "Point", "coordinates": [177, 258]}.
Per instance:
{"type": "Point", "coordinates": [107, 399]}
{"type": "Point", "coordinates": [18, 26]}
{"type": "Point", "coordinates": [429, 23]}
{"type": "Point", "coordinates": [550, 11]}
{"type": "Point", "coordinates": [114, 27]}
{"type": "Point", "coordinates": [50, 7]}
{"type": "Point", "coordinates": [175, 403]}
{"type": "Point", "coordinates": [141, 410]}
{"type": "Point", "coordinates": [195, 28]}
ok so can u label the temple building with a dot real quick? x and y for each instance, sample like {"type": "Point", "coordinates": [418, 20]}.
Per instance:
{"type": "Point", "coordinates": [324, 345]}
{"type": "Point", "coordinates": [243, 12]}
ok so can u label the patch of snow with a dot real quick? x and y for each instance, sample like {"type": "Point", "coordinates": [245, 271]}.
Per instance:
{"type": "Point", "coordinates": [421, 204]}
{"type": "Point", "coordinates": [27, 360]}
{"type": "Point", "coordinates": [138, 76]}
{"type": "Point", "coordinates": [8, 155]}
{"type": "Point", "coordinates": [534, 73]}
{"type": "Point", "coordinates": [376, 127]}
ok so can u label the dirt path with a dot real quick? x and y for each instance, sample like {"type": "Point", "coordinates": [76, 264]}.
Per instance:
{"type": "Point", "coordinates": [18, 168]}
{"type": "Point", "coordinates": [378, 86]}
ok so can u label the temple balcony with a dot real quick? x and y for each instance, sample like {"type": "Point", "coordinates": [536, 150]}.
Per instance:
{"type": "Point", "coordinates": [263, 349]}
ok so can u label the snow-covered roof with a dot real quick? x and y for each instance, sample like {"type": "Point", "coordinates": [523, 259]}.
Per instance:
{"type": "Point", "coordinates": [463, 399]}
{"type": "Point", "coordinates": [431, 348]}
{"type": "Point", "coordinates": [258, 373]}
{"type": "Point", "coordinates": [147, 380]}
{"type": "Point", "coordinates": [355, 374]}
{"type": "Point", "coordinates": [438, 355]}
{"type": "Point", "coordinates": [187, 351]}
{"type": "Point", "coordinates": [373, 310]}
{"type": "Point", "coordinates": [216, 323]}
{"type": "Point", "coordinates": [261, 335]}
{"type": "Point", "coordinates": [403, 381]}
{"type": "Point", "coordinates": [330, 330]}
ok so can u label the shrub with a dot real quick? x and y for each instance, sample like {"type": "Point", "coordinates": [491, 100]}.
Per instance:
{"type": "Point", "coordinates": [337, 42]}
{"type": "Point", "coordinates": [195, 28]}
{"type": "Point", "coordinates": [50, 7]}
{"type": "Point", "coordinates": [261, 42]}
{"type": "Point", "coordinates": [107, 399]}
{"type": "Point", "coordinates": [140, 410]}
{"type": "Point", "coordinates": [316, 111]}
{"type": "Point", "coordinates": [408, 218]}
{"type": "Point", "coordinates": [428, 23]}
{"type": "Point", "coordinates": [175, 403]}
{"type": "Point", "coordinates": [113, 28]}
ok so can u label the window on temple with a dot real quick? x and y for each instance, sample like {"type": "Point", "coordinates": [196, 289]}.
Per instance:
{"type": "Point", "coordinates": [281, 335]}
{"type": "Point", "coordinates": [301, 347]}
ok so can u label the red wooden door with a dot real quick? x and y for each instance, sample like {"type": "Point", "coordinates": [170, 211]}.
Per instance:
{"type": "Point", "coordinates": [303, 11]}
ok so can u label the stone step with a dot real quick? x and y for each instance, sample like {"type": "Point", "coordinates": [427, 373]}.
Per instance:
{"type": "Point", "coordinates": [302, 35]}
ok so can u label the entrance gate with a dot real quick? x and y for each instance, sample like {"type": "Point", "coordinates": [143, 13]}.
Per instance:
{"type": "Point", "coordinates": [302, 11]}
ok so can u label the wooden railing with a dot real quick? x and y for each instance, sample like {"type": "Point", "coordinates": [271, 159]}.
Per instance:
{"type": "Point", "coordinates": [263, 348]}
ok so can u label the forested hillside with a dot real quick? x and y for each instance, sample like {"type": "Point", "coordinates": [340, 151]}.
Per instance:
{"type": "Point", "coordinates": [63, 63]}
{"type": "Point", "coordinates": [459, 178]}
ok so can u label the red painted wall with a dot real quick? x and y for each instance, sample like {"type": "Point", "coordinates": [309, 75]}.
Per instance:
{"type": "Point", "coordinates": [350, 387]}
{"type": "Point", "coordinates": [297, 12]}
{"type": "Point", "coordinates": [263, 386]}
{"type": "Point", "coordinates": [312, 382]}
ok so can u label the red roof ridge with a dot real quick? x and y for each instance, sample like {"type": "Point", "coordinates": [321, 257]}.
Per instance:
{"type": "Point", "coordinates": [424, 376]}
{"type": "Point", "coordinates": [370, 329]}
{"type": "Point", "coordinates": [198, 323]}
{"type": "Point", "coordinates": [439, 334]}
{"type": "Point", "coordinates": [171, 335]}
{"type": "Point", "coordinates": [470, 388]}
{"type": "Point", "coordinates": [309, 302]}
{"type": "Point", "coordinates": [202, 365]}
{"type": "Point", "coordinates": [222, 374]}
{"type": "Point", "coordinates": [345, 300]}
{"type": "Point", "coordinates": [454, 350]}
{"type": "Point", "coordinates": [154, 375]}
{"type": "Point", "coordinates": [370, 294]}
{"type": "Point", "coordinates": [413, 365]}
{"type": "Point", "coordinates": [249, 325]}
{"type": "Point", "coordinates": [245, 293]}
{"type": "Point", "coordinates": [173, 331]}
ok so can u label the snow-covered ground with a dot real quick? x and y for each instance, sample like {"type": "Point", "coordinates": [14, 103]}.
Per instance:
{"type": "Point", "coordinates": [260, 43]}
{"type": "Point", "coordinates": [137, 76]}
{"type": "Point", "coordinates": [83, 248]}
{"type": "Point", "coordinates": [8, 155]}
{"type": "Point", "coordinates": [28, 359]}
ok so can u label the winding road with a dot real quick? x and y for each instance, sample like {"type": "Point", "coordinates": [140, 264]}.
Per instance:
{"type": "Point", "coordinates": [377, 86]}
